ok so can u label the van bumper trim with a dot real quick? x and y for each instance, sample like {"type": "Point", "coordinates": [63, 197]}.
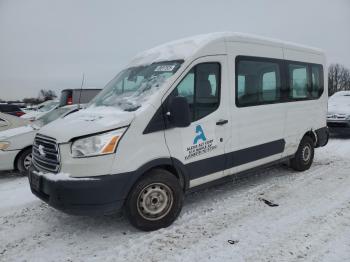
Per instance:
{"type": "Point", "coordinates": [102, 195]}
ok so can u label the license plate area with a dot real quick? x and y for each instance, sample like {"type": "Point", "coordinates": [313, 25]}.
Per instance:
{"type": "Point", "coordinates": [35, 182]}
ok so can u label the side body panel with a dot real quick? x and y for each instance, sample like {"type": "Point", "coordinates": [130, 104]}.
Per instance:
{"type": "Point", "coordinates": [255, 127]}
{"type": "Point", "coordinates": [135, 148]}
{"type": "Point", "coordinates": [308, 115]}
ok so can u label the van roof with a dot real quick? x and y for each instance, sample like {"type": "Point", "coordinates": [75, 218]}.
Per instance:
{"type": "Point", "coordinates": [187, 47]}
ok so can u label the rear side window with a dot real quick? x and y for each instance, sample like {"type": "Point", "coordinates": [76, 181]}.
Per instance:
{"type": "Point", "coordinates": [298, 81]}
{"type": "Point", "coordinates": [305, 81]}
{"type": "Point", "coordinates": [257, 81]}
{"type": "Point", "coordinates": [316, 81]}
{"type": "Point", "coordinates": [201, 88]}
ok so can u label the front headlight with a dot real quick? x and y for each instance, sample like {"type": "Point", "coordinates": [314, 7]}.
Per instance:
{"type": "Point", "coordinates": [4, 145]}
{"type": "Point", "coordinates": [100, 144]}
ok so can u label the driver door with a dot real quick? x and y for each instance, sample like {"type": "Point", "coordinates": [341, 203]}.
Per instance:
{"type": "Point", "coordinates": [202, 145]}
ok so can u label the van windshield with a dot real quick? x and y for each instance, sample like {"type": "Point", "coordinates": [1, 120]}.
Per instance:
{"type": "Point", "coordinates": [133, 86]}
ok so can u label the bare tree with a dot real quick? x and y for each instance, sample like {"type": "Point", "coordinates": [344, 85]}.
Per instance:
{"type": "Point", "coordinates": [47, 94]}
{"type": "Point", "coordinates": [338, 78]}
{"type": "Point", "coordinates": [32, 101]}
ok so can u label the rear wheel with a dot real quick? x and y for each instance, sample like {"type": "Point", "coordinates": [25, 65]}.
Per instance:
{"type": "Point", "coordinates": [24, 161]}
{"type": "Point", "coordinates": [304, 156]}
{"type": "Point", "coordinates": [155, 201]}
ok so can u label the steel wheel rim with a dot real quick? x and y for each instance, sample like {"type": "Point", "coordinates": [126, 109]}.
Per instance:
{"type": "Point", "coordinates": [306, 153]}
{"type": "Point", "coordinates": [27, 161]}
{"type": "Point", "coordinates": [155, 201]}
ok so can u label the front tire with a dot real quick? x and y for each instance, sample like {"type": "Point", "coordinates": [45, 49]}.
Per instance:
{"type": "Point", "coordinates": [304, 157]}
{"type": "Point", "coordinates": [155, 201]}
{"type": "Point", "coordinates": [24, 161]}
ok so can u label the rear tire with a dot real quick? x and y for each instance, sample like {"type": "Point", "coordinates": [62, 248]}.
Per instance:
{"type": "Point", "coordinates": [155, 201]}
{"type": "Point", "coordinates": [24, 161]}
{"type": "Point", "coordinates": [304, 157]}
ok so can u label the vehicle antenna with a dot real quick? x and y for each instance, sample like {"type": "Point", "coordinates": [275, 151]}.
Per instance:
{"type": "Point", "coordinates": [81, 89]}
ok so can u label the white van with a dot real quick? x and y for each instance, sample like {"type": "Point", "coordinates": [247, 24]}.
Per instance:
{"type": "Point", "coordinates": [182, 115]}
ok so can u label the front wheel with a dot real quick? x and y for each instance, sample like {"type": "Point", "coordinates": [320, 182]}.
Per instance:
{"type": "Point", "coordinates": [304, 157]}
{"type": "Point", "coordinates": [155, 201]}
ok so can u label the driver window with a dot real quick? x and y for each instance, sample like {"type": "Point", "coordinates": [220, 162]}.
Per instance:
{"type": "Point", "coordinates": [201, 88]}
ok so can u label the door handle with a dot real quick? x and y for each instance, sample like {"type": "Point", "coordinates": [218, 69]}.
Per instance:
{"type": "Point", "coordinates": [221, 122]}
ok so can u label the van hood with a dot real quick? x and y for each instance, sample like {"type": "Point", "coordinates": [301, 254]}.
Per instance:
{"type": "Point", "coordinates": [87, 121]}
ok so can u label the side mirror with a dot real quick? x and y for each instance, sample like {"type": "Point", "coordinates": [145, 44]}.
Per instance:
{"type": "Point", "coordinates": [179, 110]}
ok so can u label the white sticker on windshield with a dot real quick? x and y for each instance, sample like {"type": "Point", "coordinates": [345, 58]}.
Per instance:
{"type": "Point", "coordinates": [164, 68]}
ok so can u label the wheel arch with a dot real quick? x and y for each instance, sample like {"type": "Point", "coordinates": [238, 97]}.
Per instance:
{"type": "Point", "coordinates": [172, 165]}
{"type": "Point", "coordinates": [312, 134]}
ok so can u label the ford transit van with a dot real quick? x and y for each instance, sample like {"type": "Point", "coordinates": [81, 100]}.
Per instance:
{"type": "Point", "coordinates": [181, 116]}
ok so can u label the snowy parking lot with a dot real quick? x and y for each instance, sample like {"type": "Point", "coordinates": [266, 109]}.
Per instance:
{"type": "Point", "coordinates": [230, 222]}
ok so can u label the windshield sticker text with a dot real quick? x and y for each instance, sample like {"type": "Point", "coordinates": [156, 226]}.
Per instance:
{"type": "Point", "coordinates": [164, 68]}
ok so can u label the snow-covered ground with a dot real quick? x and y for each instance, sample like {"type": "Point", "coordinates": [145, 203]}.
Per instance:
{"type": "Point", "coordinates": [223, 223]}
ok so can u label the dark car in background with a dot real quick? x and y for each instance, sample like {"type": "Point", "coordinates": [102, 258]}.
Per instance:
{"type": "Point", "coordinates": [11, 109]}
{"type": "Point", "coordinates": [77, 96]}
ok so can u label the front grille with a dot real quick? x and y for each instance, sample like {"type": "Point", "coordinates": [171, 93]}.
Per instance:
{"type": "Point", "coordinates": [46, 155]}
{"type": "Point", "coordinates": [337, 124]}
{"type": "Point", "coordinates": [336, 116]}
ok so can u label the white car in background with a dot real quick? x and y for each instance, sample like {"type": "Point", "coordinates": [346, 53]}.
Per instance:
{"type": "Point", "coordinates": [338, 117]}
{"type": "Point", "coordinates": [41, 110]}
{"type": "Point", "coordinates": [8, 121]}
{"type": "Point", "coordinates": [16, 143]}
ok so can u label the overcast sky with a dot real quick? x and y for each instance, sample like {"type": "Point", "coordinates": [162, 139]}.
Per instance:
{"type": "Point", "coordinates": [48, 44]}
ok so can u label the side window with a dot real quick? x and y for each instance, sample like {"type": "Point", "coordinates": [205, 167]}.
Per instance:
{"type": "Point", "coordinates": [298, 81]}
{"type": "Point", "coordinates": [241, 86]}
{"type": "Point", "coordinates": [186, 87]}
{"type": "Point", "coordinates": [316, 81]}
{"type": "Point", "coordinates": [269, 86]}
{"type": "Point", "coordinates": [201, 88]}
{"type": "Point", "coordinates": [257, 82]}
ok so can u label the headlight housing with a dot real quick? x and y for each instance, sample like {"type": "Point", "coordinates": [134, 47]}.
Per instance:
{"type": "Point", "coordinates": [4, 145]}
{"type": "Point", "coordinates": [101, 144]}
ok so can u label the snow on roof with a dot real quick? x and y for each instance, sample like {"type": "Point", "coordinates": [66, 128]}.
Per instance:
{"type": "Point", "coordinates": [175, 50]}
{"type": "Point", "coordinates": [186, 47]}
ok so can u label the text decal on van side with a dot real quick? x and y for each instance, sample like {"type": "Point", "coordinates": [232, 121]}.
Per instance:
{"type": "Point", "coordinates": [201, 144]}
{"type": "Point", "coordinates": [200, 134]}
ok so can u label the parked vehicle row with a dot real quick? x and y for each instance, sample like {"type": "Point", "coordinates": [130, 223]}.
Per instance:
{"type": "Point", "coordinates": [9, 121]}
{"type": "Point", "coordinates": [16, 143]}
{"type": "Point", "coordinates": [179, 117]}
{"type": "Point", "coordinates": [17, 134]}
{"type": "Point", "coordinates": [338, 118]}
{"type": "Point", "coordinates": [11, 109]}
{"type": "Point", "coordinates": [41, 110]}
